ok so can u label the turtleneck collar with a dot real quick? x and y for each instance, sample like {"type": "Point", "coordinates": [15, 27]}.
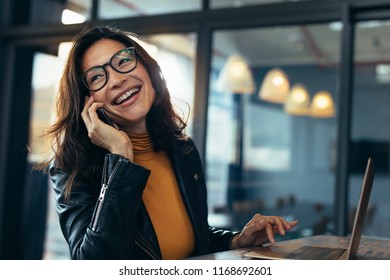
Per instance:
{"type": "Point", "coordinates": [141, 143]}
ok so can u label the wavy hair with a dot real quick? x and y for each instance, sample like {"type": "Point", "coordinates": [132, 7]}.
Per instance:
{"type": "Point", "coordinates": [74, 153]}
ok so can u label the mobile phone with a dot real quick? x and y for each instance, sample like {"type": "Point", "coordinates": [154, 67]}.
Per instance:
{"type": "Point", "coordinates": [104, 118]}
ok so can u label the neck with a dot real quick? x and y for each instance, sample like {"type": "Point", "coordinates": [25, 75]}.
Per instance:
{"type": "Point", "coordinates": [135, 129]}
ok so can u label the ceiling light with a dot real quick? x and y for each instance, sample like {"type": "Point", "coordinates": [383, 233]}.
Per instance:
{"type": "Point", "coordinates": [275, 86]}
{"type": "Point", "coordinates": [298, 101]}
{"type": "Point", "coordinates": [235, 76]}
{"type": "Point", "coordinates": [71, 17]}
{"type": "Point", "coordinates": [322, 105]}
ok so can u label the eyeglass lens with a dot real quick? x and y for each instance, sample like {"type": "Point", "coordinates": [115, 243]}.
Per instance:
{"type": "Point", "coordinates": [123, 62]}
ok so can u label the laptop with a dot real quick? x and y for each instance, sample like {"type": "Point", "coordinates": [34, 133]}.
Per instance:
{"type": "Point", "coordinates": [301, 252]}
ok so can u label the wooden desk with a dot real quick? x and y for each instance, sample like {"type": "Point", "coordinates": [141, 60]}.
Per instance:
{"type": "Point", "coordinates": [369, 249]}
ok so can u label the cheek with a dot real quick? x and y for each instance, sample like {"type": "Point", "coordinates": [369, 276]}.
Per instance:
{"type": "Point", "coordinates": [97, 95]}
{"type": "Point", "coordinates": [152, 97]}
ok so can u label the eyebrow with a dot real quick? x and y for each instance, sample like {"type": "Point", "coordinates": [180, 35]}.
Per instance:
{"type": "Point", "coordinates": [108, 62]}
{"type": "Point", "coordinates": [101, 65]}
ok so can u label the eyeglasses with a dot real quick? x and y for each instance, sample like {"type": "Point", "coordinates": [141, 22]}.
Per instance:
{"type": "Point", "coordinates": [123, 61]}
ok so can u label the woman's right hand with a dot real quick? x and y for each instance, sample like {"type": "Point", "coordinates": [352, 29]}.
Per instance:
{"type": "Point", "coordinates": [103, 135]}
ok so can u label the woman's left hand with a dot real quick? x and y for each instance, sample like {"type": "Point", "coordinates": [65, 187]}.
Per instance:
{"type": "Point", "coordinates": [261, 229]}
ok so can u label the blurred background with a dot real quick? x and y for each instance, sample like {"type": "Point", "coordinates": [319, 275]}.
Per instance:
{"type": "Point", "coordinates": [285, 100]}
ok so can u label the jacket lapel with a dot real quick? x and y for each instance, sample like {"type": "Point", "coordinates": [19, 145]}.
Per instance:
{"type": "Point", "coordinates": [190, 178]}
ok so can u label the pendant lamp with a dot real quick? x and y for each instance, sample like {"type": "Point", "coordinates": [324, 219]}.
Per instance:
{"type": "Point", "coordinates": [275, 86]}
{"type": "Point", "coordinates": [298, 101]}
{"type": "Point", "coordinates": [236, 76]}
{"type": "Point", "coordinates": [322, 105]}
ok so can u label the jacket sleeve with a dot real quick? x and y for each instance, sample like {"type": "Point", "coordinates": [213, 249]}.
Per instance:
{"type": "Point", "coordinates": [100, 226]}
{"type": "Point", "coordinates": [220, 239]}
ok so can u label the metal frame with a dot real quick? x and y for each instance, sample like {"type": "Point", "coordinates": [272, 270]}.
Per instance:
{"type": "Point", "coordinates": [203, 23]}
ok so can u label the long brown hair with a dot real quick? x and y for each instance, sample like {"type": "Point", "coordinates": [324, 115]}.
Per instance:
{"type": "Point", "coordinates": [74, 153]}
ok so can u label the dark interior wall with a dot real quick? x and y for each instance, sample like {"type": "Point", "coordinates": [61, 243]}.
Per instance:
{"type": "Point", "coordinates": [14, 158]}
{"type": "Point", "coordinates": [51, 12]}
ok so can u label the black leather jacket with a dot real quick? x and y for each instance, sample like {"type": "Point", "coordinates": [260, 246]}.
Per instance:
{"type": "Point", "coordinates": [115, 224]}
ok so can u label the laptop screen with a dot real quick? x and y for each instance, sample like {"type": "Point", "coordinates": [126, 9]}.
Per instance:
{"type": "Point", "coordinates": [361, 209]}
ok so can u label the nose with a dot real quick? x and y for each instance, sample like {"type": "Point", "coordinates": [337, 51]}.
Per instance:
{"type": "Point", "coordinates": [115, 79]}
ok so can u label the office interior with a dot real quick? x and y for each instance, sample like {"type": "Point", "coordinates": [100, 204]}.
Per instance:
{"type": "Point", "coordinates": [285, 100]}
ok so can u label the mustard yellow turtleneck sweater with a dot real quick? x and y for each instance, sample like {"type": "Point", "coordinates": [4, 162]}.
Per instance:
{"type": "Point", "coordinates": [163, 201]}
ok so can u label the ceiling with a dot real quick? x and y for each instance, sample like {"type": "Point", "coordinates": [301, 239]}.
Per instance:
{"type": "Point", "coordinates": [299, 44]}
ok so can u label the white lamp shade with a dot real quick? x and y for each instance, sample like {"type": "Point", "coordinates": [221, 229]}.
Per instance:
{"type": "Point", "coordinates": [298, 101]}
{"type": "Point", "coordinates": [236, 76]}
{"type": "Point", "coordinates": [275, 86]}
{"type": "Point", "coordinates": [322, 105]}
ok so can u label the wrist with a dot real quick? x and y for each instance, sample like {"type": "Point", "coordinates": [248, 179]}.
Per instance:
{"type": "Point", "coordinates": [124, 152]}
{"type": "Point", "coordinates": [235, 244]}
{"type": "Point", "coordinates": [124, 149]}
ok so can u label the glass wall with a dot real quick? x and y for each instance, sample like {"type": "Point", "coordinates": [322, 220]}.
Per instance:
{"type": "Point", "coordinates": [279, 91]}
{"type": "Point", "coordinates": [44, 89]}
{"type": "Point", "coordinates": [370, 135]}
{"type": "Point", "coordinates": [77, 11]}
{"type": "Point", "coordinates": [66, 12]}
{"type": "Point", "coordinates": [241, 3]}
{"type": "Point", "coordinates": [110, 9]}
{"type": "Point", "coordinates": [175, 54]}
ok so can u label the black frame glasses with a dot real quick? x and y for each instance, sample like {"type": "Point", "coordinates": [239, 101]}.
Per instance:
{"type": "Point", "coordinates": [123, 61]}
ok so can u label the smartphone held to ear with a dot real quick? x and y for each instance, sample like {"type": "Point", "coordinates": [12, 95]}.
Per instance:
{"type": "Point", "coordinates": [104, 118]}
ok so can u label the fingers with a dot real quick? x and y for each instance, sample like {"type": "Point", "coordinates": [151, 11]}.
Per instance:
{"type": "Point", "coordinates": [261, 229]}
{"type": "Point", "coordinates": [256, 219]}
{"type": "Point", "coordinates": [95, 127]}
{"type": "Point", "coordinates": [103, 135]}
{"type": "Point", "coordinates": [293, 223]}
{"type": "Point", "coordinates": [278, 224]}
{"type": "Point", "coordinates": [89, 115]}
{"type": "Point", "coordinates": [251, 231]}
{"type": "Point", "coordinates": [90, 107]}
{"type": "Point", "coordinates": [84, 114]}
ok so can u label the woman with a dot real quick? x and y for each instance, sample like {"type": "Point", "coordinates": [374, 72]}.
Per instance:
{"type": "Point", "coordinates": [134, 190]}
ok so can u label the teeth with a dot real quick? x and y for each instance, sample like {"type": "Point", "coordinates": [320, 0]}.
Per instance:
{"type": "Point", "coordinates": [126, 95]}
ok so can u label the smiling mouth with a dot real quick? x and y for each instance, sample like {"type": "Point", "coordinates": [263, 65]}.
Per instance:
{"type": "Point", "coordinates": [126, 96]}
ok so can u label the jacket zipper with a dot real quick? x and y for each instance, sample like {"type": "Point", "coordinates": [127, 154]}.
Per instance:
{"type": "Point", "coordinates": [103, 190]}
{"type": "Point", "coordinates": [146, 249]}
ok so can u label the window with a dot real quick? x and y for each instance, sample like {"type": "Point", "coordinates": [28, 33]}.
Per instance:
{"type": "Point", "coordinates": [370, 133]}
{"type": "Point", "coordinates": [58, 11]}
{"type": "Point", "coordinates": [110, 9]}
{"type": "Point", "coordinates": [288, 157]}
{"type": "Point", "coordinates": [241, 3]}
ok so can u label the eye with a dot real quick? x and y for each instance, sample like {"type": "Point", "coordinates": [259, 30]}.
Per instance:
{"type": "Point", "coordinates": [123, 61]}
{"type": "Point", "coordinates": [95, 76]}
